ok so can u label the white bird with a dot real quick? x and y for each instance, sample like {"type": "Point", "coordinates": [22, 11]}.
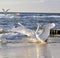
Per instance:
{"type": "Point", "coordinates": [45, 33]}
{"type": "Point", "coordinates": [5, 15]}
{"type": "Point", "coordinates": [5, 11]}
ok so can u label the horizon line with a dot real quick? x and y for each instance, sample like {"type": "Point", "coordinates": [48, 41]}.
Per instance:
{"type": "Point", "coordinates": [30, 12]}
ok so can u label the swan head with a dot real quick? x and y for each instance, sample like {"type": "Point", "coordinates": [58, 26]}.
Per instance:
{"type": "Point", "coordinates": [49, 26]}
{"type": "Point", "coordinates": [52, 25]}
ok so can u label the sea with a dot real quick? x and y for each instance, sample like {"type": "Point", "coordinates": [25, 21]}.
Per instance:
{"type": "Point", "coordinates": [30, 50]}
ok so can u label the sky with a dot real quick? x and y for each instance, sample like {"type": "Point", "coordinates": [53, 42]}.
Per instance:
{"type": "Point", "coordinates": [52, 6]}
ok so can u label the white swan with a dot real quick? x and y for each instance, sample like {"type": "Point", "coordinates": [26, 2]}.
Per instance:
{"type": "Point", "coordinates": [46, 31]}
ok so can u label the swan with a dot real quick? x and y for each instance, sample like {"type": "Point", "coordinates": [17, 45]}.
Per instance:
{"type": "Point", "coordinates": [45, 33]}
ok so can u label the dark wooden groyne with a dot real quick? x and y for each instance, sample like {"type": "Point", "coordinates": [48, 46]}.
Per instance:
{"type": "Point", "coordinates": [54, 32]}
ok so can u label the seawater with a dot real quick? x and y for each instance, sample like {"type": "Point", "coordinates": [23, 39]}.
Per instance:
{"type": "Point", "coordinates": [29, 20]}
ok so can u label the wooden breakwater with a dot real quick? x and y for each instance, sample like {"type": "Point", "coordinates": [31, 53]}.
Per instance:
{"type": "Point", "coordinates": [54, 32]}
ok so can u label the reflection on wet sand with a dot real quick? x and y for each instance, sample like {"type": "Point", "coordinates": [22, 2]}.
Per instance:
{"type": "Point", "coordinates": [45, 51]}
{"type": "Point", "coordinates": [27, 50]}
{"type": "Point", "coordinates": [42, 51]}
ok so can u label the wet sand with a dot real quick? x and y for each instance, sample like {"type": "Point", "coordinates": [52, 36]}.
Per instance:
{"type": "Point", "coordinates": [29, 50]}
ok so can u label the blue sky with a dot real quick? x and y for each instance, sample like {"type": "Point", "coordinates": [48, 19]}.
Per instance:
{"type": "Point", "coordinates": [31, 5]}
